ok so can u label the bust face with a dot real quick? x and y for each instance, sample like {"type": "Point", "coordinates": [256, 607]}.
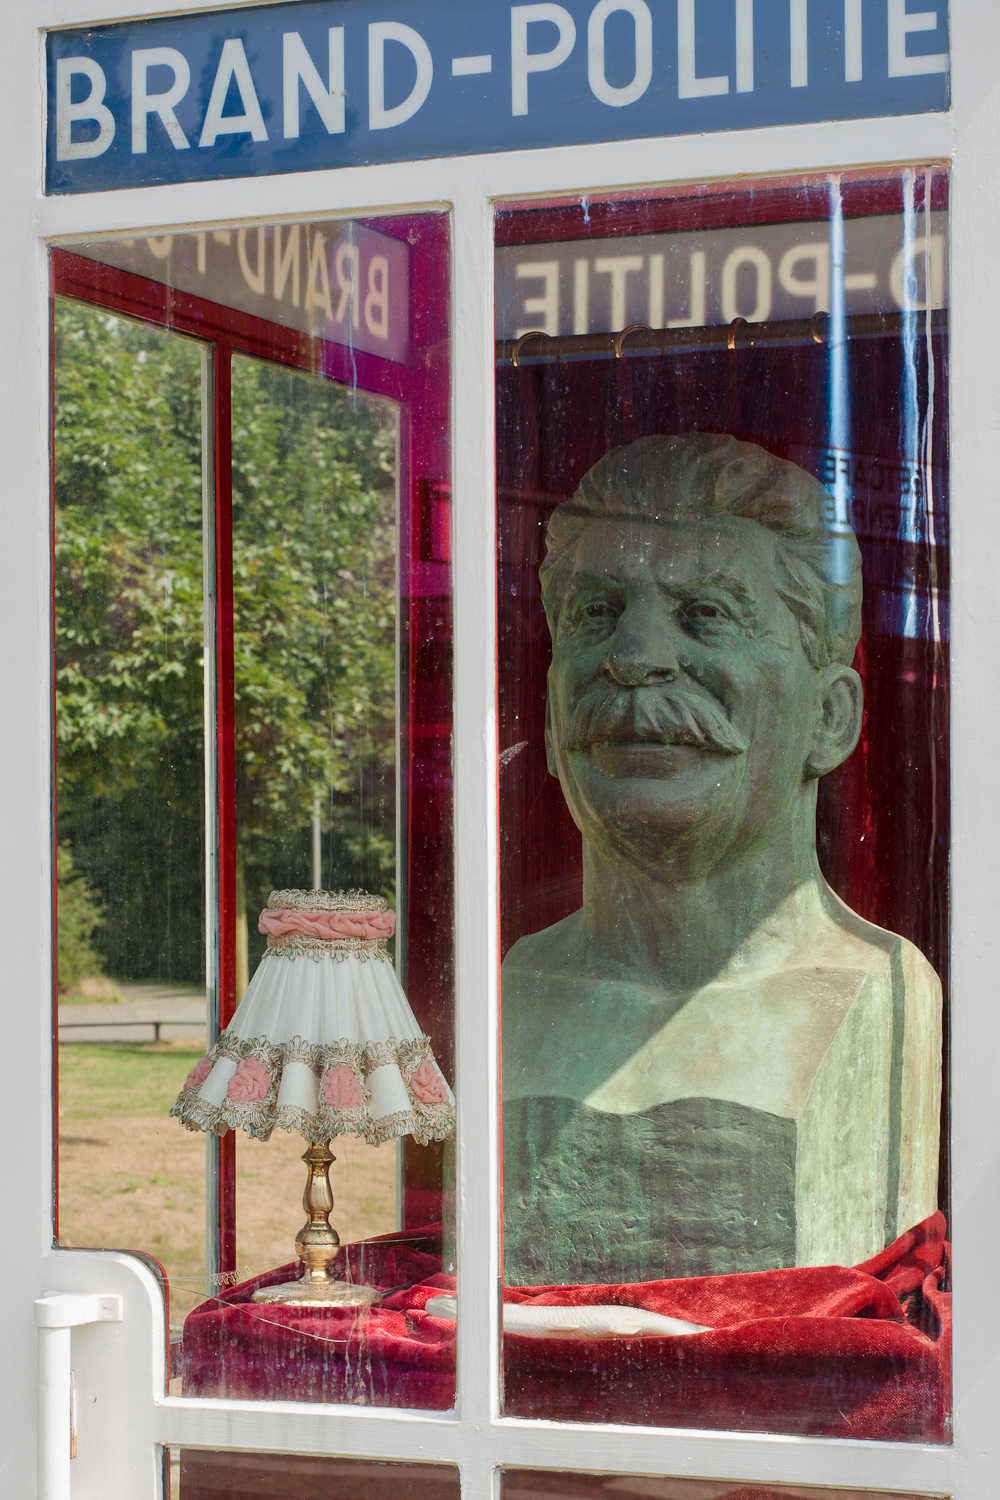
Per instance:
{"type": "Point", "coordinates": [681, 705]}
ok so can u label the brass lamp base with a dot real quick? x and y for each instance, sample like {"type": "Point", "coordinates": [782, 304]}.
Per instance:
{"type": "Point", "coordinates": [316, 1244]}
{"type": "Point", "coordinates": [319, 1294]}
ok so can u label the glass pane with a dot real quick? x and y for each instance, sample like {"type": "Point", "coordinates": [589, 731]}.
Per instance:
{"type": "Point", "coordinates": [518, 1484]}
{"type": "Point", "coordinates": [129, 703]}
{"type": "Point", "coordinates": [315, 648]}
{"type": "Point", "coordinates": [317, 1031]}
{"type": "Point", "coordinates": [723, 675]}
{"type": "Point", "coordinates": [206, 1475]}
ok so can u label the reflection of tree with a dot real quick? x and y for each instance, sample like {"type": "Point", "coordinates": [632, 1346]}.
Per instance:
{"type": "Point", "coordinates": [129, 634]}
{"type": "Point", "coordinates": [80, 912]}
{"type": "Point", "coordinates": [314, 590]}
{"type": "Point", "coordinates": [314, 584]}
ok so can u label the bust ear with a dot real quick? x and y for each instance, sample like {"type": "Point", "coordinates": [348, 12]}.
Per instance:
{"type": "Point", "coordinates": [839, 723]}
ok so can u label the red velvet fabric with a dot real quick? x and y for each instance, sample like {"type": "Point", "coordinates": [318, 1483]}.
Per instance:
{"type": "Point", "coordinates": [830, 1351]}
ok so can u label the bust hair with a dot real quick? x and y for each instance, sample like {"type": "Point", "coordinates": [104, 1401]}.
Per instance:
{"type": "Point", "coordinates": [704, 475]}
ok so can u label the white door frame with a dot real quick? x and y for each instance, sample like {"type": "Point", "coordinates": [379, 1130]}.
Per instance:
{"type": "Point", "coordinates": [125, 1361]}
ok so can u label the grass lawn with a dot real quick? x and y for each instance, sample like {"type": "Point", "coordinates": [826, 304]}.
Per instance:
{"type": "Point", "coordinates": [131, 1178]}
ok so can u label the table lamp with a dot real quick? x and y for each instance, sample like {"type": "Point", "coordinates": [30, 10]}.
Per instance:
{"type": "Point", "coordinates": [323, 1042]}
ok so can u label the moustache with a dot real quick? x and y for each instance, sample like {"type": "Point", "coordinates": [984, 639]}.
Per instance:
{"type": "Point", "coordinates": [652, 716]}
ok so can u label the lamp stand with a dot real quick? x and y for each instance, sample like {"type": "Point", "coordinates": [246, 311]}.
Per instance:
{"type": "Point", "coordinates": [316, 1244]}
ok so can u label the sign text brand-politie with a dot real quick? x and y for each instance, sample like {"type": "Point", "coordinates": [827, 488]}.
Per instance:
{"type": "Point", "coordinates": [316, 85]}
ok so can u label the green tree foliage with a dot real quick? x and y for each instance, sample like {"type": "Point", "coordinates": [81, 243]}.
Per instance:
{"type": "Point", "coordinates": [314, 593]}
{"type": "Point", "coordinates": [80, 910]}
{"type": "Point", "coordinates": [314, 598]}
{"type": "Point", "coordinates": [128, 554]}
{"type": "Point", "coordinates": [129, 647]}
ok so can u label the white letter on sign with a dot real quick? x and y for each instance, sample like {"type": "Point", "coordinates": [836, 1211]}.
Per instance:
{"type": "Point", "coordinates": [377, 300]}
{"type": "Point", "coordinates": [523, 62]}
{"type": "Point", "coordinates": [233, 65]}
{"type": "Point", "coordinates": [747, 255]}
{"type": "Point", "coordinates": [601, 89]}
{"type": "Point", "coordinates": [901, 65]}
{"type": "Point", "coordinates": [798, 41]}
{"type": "Point", "coordinates": [547, 271]}
{"type": "Point", "coordinates": [380, 32]}
{"type": "Point", "coordinates": [689, 85]}
{"type": "Point", "coordinates": [348, 255]}
{"type": "Point", "coordinates": [853, 49]}
{"type": "Point", "coordinates": [91, 108]}
{"type": "Point", "coordinates": [144, 103]}
{"type": "Point", "coordinates": [298, 65]}
{"type": "Point", "coordinates": [318, 283]}
{"type": "Point", "coordinates": [816, 286]}
{"type": "Point", "coordinates": [617, 267]}
{"type": "Point", "coordinates": [744, 46]}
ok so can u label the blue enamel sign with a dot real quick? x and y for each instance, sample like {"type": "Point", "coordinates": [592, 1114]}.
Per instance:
{"type": "Point", "coordinates": [332, 83]}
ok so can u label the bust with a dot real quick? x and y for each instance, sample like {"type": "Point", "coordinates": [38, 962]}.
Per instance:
{"type": "Point", "coordinates": [714, 1065]}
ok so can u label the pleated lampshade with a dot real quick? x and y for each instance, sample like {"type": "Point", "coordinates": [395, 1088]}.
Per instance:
{"type": "Point", "coordinates": [324, 1040]}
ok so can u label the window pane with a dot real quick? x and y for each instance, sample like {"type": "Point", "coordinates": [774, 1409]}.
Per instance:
{"type": "Point", "coordinates": [315, 651]}
{"type": "Point", "coordinates": [208, 1475]}
{"type": "Point", "coordinates": [723, 670]}
{"type": "Point", "coordinates": [305, 628]}
{"type": "Point", "coordinates": [518, 1484]}
{"type": "Point", "coordinates": [129, 702]}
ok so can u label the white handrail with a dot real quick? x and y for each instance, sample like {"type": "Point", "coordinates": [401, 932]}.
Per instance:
{"type": "Point", "coordinates": [55, 1315]}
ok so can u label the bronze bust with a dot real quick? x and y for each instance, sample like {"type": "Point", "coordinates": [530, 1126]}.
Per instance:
{"type": "Point", "coordinates": [714, 1065]}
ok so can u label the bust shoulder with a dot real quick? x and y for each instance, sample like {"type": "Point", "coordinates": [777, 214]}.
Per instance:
{"type": "Point", "coordinates": [566, 1025]}
{"type": "Point", "coordinates": [870, 945]}
{"type": "Point", "coordinates": [756, 1034]}
{"type": "Point", "coordinates": [560, 948]}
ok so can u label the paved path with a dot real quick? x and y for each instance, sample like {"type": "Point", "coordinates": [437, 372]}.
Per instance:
{"type": "Point", "coordinates": [179, 1010]}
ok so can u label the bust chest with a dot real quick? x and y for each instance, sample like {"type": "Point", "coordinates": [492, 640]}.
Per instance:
{"type": "Point", "coordinates": [758, 1122]}
{"type": "Point", "coordinates": [698, 1187]}
{"type": "Point", "coordinates": [624, 1048]}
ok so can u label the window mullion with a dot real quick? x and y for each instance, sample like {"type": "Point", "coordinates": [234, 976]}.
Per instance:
{"type": "Point", "coordinates": [475, 763]}
{"type": "Point", "coordinates": [221, 1150]}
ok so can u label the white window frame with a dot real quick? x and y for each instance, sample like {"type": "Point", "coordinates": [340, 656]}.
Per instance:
{"type": "Point", "coordinates": [475, 1437]}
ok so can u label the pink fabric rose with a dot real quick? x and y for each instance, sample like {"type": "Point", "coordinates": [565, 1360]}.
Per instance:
{"type": "Point", "coordinates": [428, 1085]}
{"type": "Point", "coordinates": [342, 1088]}
{"type": "Point", "coordinates": [327, 925]}
{"type": "Point", "coordinates": [250, 1081]}
{"type": "Point", "coordinates": [199, 1073]}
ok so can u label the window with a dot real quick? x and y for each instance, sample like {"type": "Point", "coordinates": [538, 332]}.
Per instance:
{"type": "Point", "coordinates": [722, 467]}
{"type": "Point", "coordinates": [253, 708]}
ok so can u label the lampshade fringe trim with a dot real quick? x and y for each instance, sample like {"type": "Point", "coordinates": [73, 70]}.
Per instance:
{"type": "Point", "coordinates": [434, 1123]}
{"type": "Point", "coordinates": [431, 1118]}
{"type": "Point", "coordinates": [298, 945]}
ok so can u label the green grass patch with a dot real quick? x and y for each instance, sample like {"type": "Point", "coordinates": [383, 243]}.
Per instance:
{"type": "Point", "coordinates": [122, 1077]}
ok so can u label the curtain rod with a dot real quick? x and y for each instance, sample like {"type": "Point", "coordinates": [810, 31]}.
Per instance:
{"type": "Point", "coordinates": [537, 347]}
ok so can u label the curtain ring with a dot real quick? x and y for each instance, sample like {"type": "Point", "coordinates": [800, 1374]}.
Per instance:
{"type": "Point", "coordinates": [733, 328]}
{"type": "Point", "coordinates": [623, 335]}
{"type": "Point", "coordinates": [818, 337]}
{"type": "Point", "coordinates": [433, 350]}
{"type": "Point", "coordinates": [534, 333]}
